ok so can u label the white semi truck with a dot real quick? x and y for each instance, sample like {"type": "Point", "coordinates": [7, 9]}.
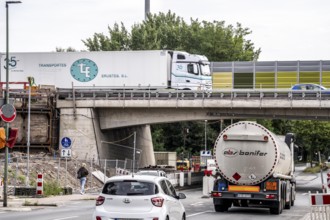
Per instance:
{"type": "Point", "coordinates": [254, 168]}
{"type": "Point", "coordinates": [153, 69]}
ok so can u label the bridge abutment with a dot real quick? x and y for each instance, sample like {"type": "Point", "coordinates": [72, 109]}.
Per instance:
{"type": "Point", "coordinates": [90, 142]}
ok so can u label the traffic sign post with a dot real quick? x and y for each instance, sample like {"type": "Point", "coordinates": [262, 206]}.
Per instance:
{"type": "Point", "coordinates": [66, 147]}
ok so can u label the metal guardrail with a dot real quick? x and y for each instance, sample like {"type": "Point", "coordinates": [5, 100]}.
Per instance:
{"type": "Point", "coordinates": [167, 94]}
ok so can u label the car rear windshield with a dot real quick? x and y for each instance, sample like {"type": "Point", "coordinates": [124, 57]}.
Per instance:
{"type": "Point", "coordinates": [130, 188]}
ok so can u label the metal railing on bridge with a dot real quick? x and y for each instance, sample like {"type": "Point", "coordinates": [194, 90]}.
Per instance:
{"type": "Point", "coordinates": [159, 94]}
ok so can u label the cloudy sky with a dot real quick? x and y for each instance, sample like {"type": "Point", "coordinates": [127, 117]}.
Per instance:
{"type": "Point", "coordinates": [283, 29]}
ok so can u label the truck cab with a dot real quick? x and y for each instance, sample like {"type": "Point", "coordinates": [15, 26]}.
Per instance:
{"type": "Point", "coordinates": [183, 164]}
{"type": "Point", "coordinates": [190, 71]}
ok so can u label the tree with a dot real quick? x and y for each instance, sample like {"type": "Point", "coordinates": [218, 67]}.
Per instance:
{"type": "Point", "coordinates": [69, 49]}
{"type": "Point", "coordinates": [313, 136]}
{"type": "Point", "coordinates": [168, 31]}
{"type": "Point", "coordinates": [119, 39]}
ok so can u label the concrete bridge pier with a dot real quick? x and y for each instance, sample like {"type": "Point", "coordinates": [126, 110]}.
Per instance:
{"type": "Point", "coordinates": [90, 142]}
{"type": "Point", "coordinates": [119, 144]}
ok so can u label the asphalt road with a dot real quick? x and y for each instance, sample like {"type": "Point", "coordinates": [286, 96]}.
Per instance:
{"type": "Point", "coordinates": [196, 208]}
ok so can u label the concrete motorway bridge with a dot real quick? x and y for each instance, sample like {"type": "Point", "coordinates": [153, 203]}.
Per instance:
{"type": "Point", "coordinates": [101, 121]}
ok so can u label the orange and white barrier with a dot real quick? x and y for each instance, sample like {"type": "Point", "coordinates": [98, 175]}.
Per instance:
{"type": "Point", "coordinates": [320, 206]}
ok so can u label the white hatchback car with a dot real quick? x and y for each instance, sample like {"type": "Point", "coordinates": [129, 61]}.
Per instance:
{"type": "Point", "coordinates": [139, 198]}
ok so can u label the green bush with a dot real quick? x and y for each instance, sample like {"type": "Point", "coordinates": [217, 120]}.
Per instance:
{"type": "Point", "coordinates": [315, 169]}
{"type": "Point", "coordinates": [52, 188]}
{"type": "Point", "coordinates": [22, 178]}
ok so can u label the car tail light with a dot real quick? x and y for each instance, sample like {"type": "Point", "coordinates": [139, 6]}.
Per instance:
{"type": "Point", "coordinates": [157, 201]}
{"type": "Point", "coordinates": [216, 194]}
{"type": "Point", "coordinates": [271, 196]}
{"type": "Point", "coordinates": [98, 218]}
{"type": "Point", "coordinates": [100, 200]}
{"type": "Point", "coordinates": [155, 218]}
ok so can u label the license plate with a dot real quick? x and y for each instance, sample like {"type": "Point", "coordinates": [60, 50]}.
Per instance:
{"type": "Point", "coordinates": [244, 195]}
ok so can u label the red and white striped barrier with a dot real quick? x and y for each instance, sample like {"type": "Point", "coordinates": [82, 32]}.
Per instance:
{"type": "Point", "coordinates": [320, 199]}
{"type": "Point", "coordinates": [320, 206]}
{"type": "Point", "coordinates": [120, 172]}
{"type": "Point", "coordinates": [40, 188]}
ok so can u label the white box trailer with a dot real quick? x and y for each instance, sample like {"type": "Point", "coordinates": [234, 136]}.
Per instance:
{"type": "Point", "coordinates": [166, 158]}
{"type": "Point", "coordinates": [145, 69]}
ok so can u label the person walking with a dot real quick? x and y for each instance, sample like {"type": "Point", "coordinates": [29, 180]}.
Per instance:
{"type": "Point", "coordinates": [82, 176]}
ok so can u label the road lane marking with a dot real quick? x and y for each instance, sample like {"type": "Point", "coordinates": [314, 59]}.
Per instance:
{"type": "Point", "coordinates": [198, 213]}
{"type": "Point", "coordinates": [66, 218]}
{"type": "Point", "coordinates": [197, 204]}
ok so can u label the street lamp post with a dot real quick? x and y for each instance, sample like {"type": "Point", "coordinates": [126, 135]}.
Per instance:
{"type": "Point", "coordinates": [134, 151]}
{"type": "Point", "coordinates": [205, 136]}
{"type": "Point", "coordinates": [7, 102]}
{"type": "Point", "coordinates": [28, 135]}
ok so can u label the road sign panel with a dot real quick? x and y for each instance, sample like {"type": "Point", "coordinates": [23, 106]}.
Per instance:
{"type": "Point", "coordinates": [66, 142]}
{"type": "Point", "coordinates": [66, 153]}
{"type": "Point", "coordinates": [8, 113]}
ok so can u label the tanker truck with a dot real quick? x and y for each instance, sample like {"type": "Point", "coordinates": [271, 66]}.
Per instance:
{"type": "Point", "coordinates": [254, 167]}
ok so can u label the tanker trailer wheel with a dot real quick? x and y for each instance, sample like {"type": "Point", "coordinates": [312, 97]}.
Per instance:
{"type": "Point", "coordinates": [220, 208]}
{"type": "Point", "coordinates": [288, 204]}
{"type": "Point", "coordinates": [223, 207]}
{"type": "Point", "coordinates": [277, 209]}
{"type": "Point", "coordinates": [292, 202]}
{"type": "Point", "coordinates": [292, 197]}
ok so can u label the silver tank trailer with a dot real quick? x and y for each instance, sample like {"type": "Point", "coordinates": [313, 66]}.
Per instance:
{"type": "Point", "coordinates": [247, 153]}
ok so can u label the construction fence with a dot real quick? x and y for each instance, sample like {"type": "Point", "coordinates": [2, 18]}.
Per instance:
{"type": "Point", "coordinates": [22, 172]}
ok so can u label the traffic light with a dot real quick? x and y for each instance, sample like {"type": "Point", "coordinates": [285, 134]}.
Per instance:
{"type": "Point", "coordinates": [13, 133]}
{"type": "Point", "coordinates": [2, 137]}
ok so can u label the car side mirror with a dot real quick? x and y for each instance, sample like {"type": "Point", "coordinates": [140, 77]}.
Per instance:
{"type": "Point", "coordinates": [181, 196]}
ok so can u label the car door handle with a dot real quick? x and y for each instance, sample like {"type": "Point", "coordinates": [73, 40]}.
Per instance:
{"type": "Point", "coordinates": [188, 81]}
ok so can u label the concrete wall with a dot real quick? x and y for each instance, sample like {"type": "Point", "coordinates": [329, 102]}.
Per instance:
{"type": "Point", "coordinates": [119, 144]}
{"type": "Point", "coordinates": [90, 142]}
{"type": "Point", "coordinates": [81, 131]}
